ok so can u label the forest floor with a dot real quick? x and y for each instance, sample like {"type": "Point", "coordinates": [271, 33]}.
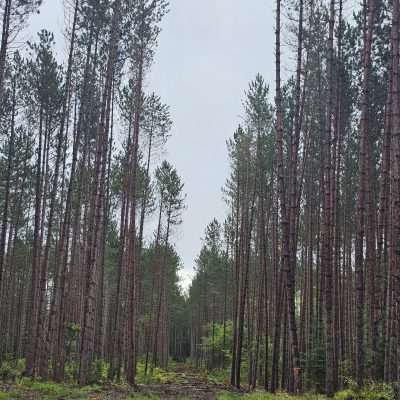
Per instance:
{"type": "Point", "coordinates": [180, 382]}
{"type": "Point", "coordinates": [184, 383]}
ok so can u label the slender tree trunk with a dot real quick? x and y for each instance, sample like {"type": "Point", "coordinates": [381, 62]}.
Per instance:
{"type": "Point", "coordinates": [10, 160]}
{"type": "Point", "coordinates": [359, 243]}
{"type": "Point", "coordinates": [4, 46]}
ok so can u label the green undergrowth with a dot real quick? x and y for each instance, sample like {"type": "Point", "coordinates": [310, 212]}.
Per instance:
{"type": "Point", "coordinates": [268, 396]}
{"type": "Point", "coordinates": [32, 390]}
{"type": "Point", "coordinates": [158, 375]}
{"type": "Point", "coordinates": [26, 388]}
{"type": "Point", "coordinates": [14, 386]}
{"type": "Point", "coordinates": [218, 376]}
{"type": "Point", "coordinates": [11, 370]}
{"type": "Point", "coordinates": [372, 391]}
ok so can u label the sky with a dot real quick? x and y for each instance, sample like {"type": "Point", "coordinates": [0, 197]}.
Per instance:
{"type": "Point", "coordinates": [208, 52]}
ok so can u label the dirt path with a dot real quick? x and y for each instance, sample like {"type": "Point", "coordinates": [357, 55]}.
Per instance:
{"type": "Point", "coordinates": [191, 385]}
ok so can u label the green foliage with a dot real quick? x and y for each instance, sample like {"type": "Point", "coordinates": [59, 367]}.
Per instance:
{"type": "Point", "coordinates": [268, 396]}
{"type": "Point", "coordinates": [158, 375]}
{"type": "Point", "coordinates": [222, 375]}
{"type": "Point", "coordinates": [46, 390]}
{"type": "Point", "coordinates": [11, 370]}
{"type": "Point", "coordinates": [71, 371]}
{"type": "Point", "coordinates": [372, 391]}
{"type": "Point", "coordinates": [8, 372]}
{"type": "Point", "coordinates": [216, 343]}
{"type": "Point", "coordinates": [345, 394]}
{"type": "Point", "coordinates": [73, 331]}
{"type": "Point", "coordinates": [219, 375]}
{"type": "Point", "coordinates": [98, 371]}
{"type": "Point", "coordinates": [8, 395]}
{"type": "Point", "coordinates": [215, 338]}
{"type": "Point", "coordinates": [26, 388]}
{"type": "Point", "coordinates": [29, 389]}
{"type": "Point", "coordinates": [228, 396]}
{"type": "Point", "coordinates": [314, 366]}
{"type": "Point", "coordinates": [170, 187]}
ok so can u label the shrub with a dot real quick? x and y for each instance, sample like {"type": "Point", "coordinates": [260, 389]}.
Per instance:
{"type": "Point", "coordinates": [378, 391]}
{"type": "Point", "coordinates": [219, 376]}
{"type": "Point", "coordinates": [71, 371]}
{"type": "Point", "coordinates": [98, 371]}
{"type": "Point", "coordinates": [8, 396]}
{"type": "Point", "coordinates": [371, 391]}
{"type": "Point", "coordinates": [8, 373]}
{"type": "Point", "coordinates": [346, 394]}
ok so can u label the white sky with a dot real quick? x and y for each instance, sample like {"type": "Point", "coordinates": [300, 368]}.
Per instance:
{"type": "Point", "coordinates": [208, 52]}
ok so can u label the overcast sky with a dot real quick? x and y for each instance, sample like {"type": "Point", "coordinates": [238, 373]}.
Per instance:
{"type": "Point", "coordinates": [208, 52]}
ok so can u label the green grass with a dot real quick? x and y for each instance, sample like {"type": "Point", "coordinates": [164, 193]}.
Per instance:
{"type": "Point", "coordinates": [8, 396]}
{"type": "Point", "coordinates": [26, 388]}
{"type": "Point", "coordinates": [219, 376]}
{"type": "Point", "coordinates": [33, 390]}
{"type": "Point", "coordinates": [267, 396]}
{"type": "Point", "coordinates": [227, 396]}
{"type": "Point", "coordinates": [372, 391]}
{"type": "Point", "coordinates": [159, 376]}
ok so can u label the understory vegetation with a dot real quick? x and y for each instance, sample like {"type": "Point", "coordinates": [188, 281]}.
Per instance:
{"type": "Point", "coordinates": [27, 389]}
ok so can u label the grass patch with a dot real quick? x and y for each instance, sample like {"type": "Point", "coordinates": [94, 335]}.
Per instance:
{"type": "Point", "coordinates": [219, 376]}
{"type": "Point", "coordinates": [267, 396]}
{"type": "Point", "coordinates": [228, 396]}
{"type": "Point", "coordinates": [34, 390]}
{"type": "Point", "coordinates": [8, 396]}
{"type": "Point", "coordinates": [159, 375]}
{"type": "Point", "coordinates": [372, 391]}
{"type": "Point", "coordinates": [28, 389]}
